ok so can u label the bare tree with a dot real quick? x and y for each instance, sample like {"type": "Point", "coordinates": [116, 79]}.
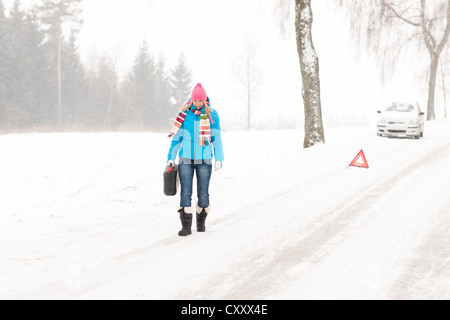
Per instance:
{"type": "Point", "coordinates": [107, 73]}
{"type": "Point", "coordinates": [309, 64]}
{"type": "Point", "coordinates": [309, 67]}
{"type": "Point", "coordinates": [248, 73]}
{"type": "Point", "coordinates": [428, 23]}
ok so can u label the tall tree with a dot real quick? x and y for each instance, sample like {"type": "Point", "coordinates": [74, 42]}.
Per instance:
{"type": "Point", "coordinates": [309, 67]}
{"type": "Point", "coordinates": [309, 64]}
{"type": "Point", "coordinates": [22, 65]}
{"type": "Point", "coordinates": [55, 16]}
{"type": "Point", "coordinates": [3, 65]}
{"type": "Point", "coordinates": [434, 45]}
{"type": "Point", "coordinates": [444, 74]}
{"type": "Point", "coordinates": [444, 90]}
{"type": "Point", "coordinates": [2, 12]}
{"type": "Point", "coordinates": [23, 70]}
{"type": "Point", "coordinates": [424, 21]}
{"type": "Point", "coordinates": [35, 64]}
{"type": "Point", "coordinates": [73, 85]}
{"type": "Point", "coordinates": [180, 82]}
{"type": "Point", "coordinates": [107, 75]}
{"type": "Point", "coordinates": [163, 108]}
{"type": "Point", "coordinates": [141, 87]}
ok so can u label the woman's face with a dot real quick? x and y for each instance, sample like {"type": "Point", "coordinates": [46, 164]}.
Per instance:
{"type": "Point", "coordinates": [198, 103]}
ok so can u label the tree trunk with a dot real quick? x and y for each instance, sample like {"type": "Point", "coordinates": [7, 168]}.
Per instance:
{"type": "Point", "coordinates": [309, 64]}
{"type": "Point", "coordinates": [432, 87]}
{"type": "Point", "coordinates": [249, 98]}
{"type": "Point", "coordinates": [111, 97]}
{"type": "Point", "coordinates": [249, 87]}
{"type": "Point", "coordinates": [59, 75]}
{"type": "Point", "coordinates": [443, 90]}
{"type": "Point", "coordinates": [435, 50]}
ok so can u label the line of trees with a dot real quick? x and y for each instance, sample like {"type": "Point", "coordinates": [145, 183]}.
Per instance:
{"type": "Point", "coordinates": [44, 85]}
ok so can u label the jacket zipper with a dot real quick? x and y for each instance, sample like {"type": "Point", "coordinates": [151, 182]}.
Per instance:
{"type": "Point", "coordinates": [195, 136]}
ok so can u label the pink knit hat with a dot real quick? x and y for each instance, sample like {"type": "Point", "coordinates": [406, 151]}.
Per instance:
{"type": "Point", "coordinates": [199, 93]}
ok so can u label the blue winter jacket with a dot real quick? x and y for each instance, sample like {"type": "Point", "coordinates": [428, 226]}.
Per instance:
{"type": "Point", "coordinates": [186, 142]}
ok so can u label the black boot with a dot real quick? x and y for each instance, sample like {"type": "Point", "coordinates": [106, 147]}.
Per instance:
{"type": "Point", "coordinates": [186, 222]}
{"type": "Point", "coordinates": [201, 217]}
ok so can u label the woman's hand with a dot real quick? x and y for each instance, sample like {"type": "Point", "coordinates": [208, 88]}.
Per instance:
{"type": "Point", "coordinates": [217, 166]}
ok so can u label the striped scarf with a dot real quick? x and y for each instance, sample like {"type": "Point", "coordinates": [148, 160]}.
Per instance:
{"type": "Point", "coordinates": [205, 125]}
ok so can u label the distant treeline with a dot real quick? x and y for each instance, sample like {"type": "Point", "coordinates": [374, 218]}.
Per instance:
{"type": "Point", "coordinates": [45, 87]}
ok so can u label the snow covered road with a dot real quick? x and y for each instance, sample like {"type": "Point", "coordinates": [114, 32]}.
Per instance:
{"type": "Point", "coordinates": [83, 216]}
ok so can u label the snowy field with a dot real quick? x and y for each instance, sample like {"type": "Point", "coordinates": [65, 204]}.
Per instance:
{"type": "Point", "coordinates": [83, 216]}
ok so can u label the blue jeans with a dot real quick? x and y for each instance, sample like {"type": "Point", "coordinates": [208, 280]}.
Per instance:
{"type": "Point", "coordinates": [186, 168]}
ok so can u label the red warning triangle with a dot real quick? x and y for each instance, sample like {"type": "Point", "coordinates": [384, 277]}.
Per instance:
{"type": "Point", "coordinates": [360, 161]}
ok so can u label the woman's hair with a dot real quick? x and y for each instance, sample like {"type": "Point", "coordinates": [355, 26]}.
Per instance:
{"type": "Point", "coordinates": [205, 104]}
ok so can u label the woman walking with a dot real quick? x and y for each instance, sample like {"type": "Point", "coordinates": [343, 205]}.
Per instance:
{"type": "Point", "coordinates": [196, 140]}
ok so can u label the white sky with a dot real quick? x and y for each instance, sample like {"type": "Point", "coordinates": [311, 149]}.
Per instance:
{"type": "Point", "coordinates": [211, 33]}
{"type": "Point", "coordinates": [205, 30]}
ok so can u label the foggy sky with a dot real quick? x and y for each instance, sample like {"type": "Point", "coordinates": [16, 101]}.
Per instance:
{"type": "Point", "coordinates": [212, 33]}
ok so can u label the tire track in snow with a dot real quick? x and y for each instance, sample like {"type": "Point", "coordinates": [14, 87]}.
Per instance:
{"type": "Point", "coordinates": [259, 280]}
{"type": "Point", "coordinates": [428, 274]}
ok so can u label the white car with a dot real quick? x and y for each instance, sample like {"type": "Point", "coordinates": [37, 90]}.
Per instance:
{"type": "Point", "coordinates": [401, 119]}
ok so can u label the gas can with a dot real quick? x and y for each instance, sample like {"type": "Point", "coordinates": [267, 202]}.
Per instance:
{"type": "Point", "coordinates": [171, 181]}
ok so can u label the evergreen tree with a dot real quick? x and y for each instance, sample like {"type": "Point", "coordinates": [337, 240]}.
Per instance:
{"type": "Point", "coordinates": [164, 110]}
{"type": "Point", "coordinates": [26, 72]}
{"type": "Point", "coordinates": [180, 83]}
{"type": "Point", "coordinates": [55, 15]}
{"type": "Point", "coordinates": [18, 71]}
{"type": "Point", "coordinates": [141, 89]}
{"type": "Point", "coordinates": [35, 66]}
{"type": "Point", "coordinates": [102, 95]}
{"type": "Point", "coordinates": [3, 65]}
{"type": "Point", "coordinates": [74, 85]}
